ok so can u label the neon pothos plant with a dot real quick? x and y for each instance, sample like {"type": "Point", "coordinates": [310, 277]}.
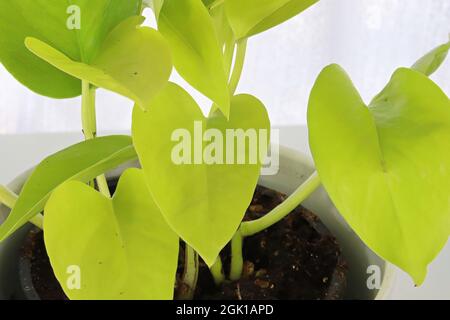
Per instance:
{"type": "Point", "coordinates": [385, 165]}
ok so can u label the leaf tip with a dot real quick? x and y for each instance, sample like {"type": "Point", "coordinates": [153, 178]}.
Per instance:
{"type": "Point", "coordinates": [30, 42]}
{"type": "Point", "coordinates": [418, 276]}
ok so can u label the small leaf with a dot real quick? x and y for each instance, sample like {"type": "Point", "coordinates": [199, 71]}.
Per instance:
{"type": "Point", "coordinates": [429, 63]}
{"type": "Point", "coordinates": [134, 61]}
{"type": "Point", "coordinates": [83, 162]}
{"type": "Point", "coordinates": [203, 202]}
{"type": "Point", "coordinates": [197, 54]}
{"type": "Point", "coordinates": [250, 17]}
{"type": "Point", "coordinates": [122, 246]}
{"type": "Point", "coordinates": [55, 22]}
{"type": "Point", "coordinates": [386, 167]}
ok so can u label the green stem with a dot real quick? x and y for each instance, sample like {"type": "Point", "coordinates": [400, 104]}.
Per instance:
{"type": "Point", "coordinates": [88, 116]}
{"type": "Point", "coordinates": [238, 65]}
{"type": "Point", "coordinates": [304, 191]}
{"type": "Point", "coordinates": [102, 185]}
{"type": "Point", "coordinates": [89, 122]}
{"type": "Point", "coordinates": [230, 47]}
{"type": "Point", "coordinates": [217, 272]}
{"type": "Point", "coordinates": [237, 261]}
{"type": "Point", "coordinates": [9, 199]}
{"type": "Point", "coordinates": [190, 274]}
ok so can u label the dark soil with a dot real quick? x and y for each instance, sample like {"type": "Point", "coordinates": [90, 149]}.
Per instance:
{"type": "Point", "coordinates": [295, 259]}
{"type": "Point", "coordinates": [36, 271]}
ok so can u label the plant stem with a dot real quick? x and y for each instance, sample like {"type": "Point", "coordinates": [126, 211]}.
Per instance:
{"type": "Point", "coordinates": [230, 47]}
{"type": "Point", "coordinates": [253, 227]}
{"type": "Point", "coordinates": [217, 272]}
{"type": "Point", "coordinates": [238, 65]}
{"type": "Point", "coordinates": [102, 185]}
{"type": "Point", "coordinates": [237, 261]}
{"type": "Point", "coordinates": [9, 199]}
{"type": "Point", "coordinates": [88, 116]}
{"type": "Point", "coordinates": [190, 274]}
{"type": "Point", "coordinates": [89, 122]}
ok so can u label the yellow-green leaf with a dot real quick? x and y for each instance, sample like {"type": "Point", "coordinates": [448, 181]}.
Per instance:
{"type": "Point", "coordinates": [387, 166]}
{"type": "Point", "coordinates": [121, 248]}
{"type": "Point", "coordinates": [77, 28]}
{"type": "Point", "coordinates": [429, 63]}
{"type": "Point", "coordinates": [134, 61]}
{"type": "Point", "coordinates": [82, 162]}
{"type": "Point", "coordinates": [250, 17]}
{"type": "Point", "coordinates": [203, 198]}
{"type": "Point", "coordinates": [197, 54]}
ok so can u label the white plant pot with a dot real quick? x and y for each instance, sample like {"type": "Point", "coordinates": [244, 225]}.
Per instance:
{"type": "Point", "coordinates": [294, 169]}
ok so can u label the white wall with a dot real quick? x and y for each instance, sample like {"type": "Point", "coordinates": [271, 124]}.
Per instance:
{"type": "Point", "coordinates": [369, 38]}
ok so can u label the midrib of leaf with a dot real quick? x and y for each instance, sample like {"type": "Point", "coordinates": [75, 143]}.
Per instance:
{"type": "Point", "coordinates": [386, 173]}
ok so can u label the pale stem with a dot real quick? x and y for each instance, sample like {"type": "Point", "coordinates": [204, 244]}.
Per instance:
{"type": "Point", "coordinates": [190, 274]}
{"type": "Point", "coordinates": [230, 47]}
{"type": "Point", "coordinates": [237, 260]}
{"type": "Point", "coordinates": [238, 65]}
{"type": "Point", "coordinates": [250, 228]}
{"type": "Point", "coordinates": [217, 272]}
{"type": "Point", "coordinates": [9, 199]}
{"type": "Point", "coordinates": [89, 122]}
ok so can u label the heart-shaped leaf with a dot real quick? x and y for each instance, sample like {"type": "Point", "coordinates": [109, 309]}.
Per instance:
{"type": "Point", "coordinates": [386, 167]}
{"type": "Point", "coordinates": [203, 198]}
{"type": "Point", "coordinates": [198, 57]}
{"type": "Point", "coordinates": [429, 63]}
{"type": "Point", "coordinates": [121, 247]}
{"type": "Point", "coordinates": [134, 62]}
{"type": "Point", "coordinates": [77, 28]}
{"type": "Point", "coordinates": [250, 17]}
{"type": "Point", "coordinates": [83, 162]}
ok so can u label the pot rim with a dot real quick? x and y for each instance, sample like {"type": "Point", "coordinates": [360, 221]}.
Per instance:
{"type": "Point", "coordinates": [389, 273]}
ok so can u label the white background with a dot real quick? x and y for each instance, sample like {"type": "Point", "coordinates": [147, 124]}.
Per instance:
{"type": "Point", "coordinates": [369, 38]}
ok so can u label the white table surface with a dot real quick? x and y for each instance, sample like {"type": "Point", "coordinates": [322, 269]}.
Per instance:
{"type": "Point", "coordinates": [20, 152]}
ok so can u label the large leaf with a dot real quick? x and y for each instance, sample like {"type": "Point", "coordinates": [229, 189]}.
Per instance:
{"type": "Point", "coordinates": [83, 162]}
{"type": "Point", "coordinates": [134, 61]}
{"type": "Point", "coordinates": [47, 20]}
{"type": "Point", "coordinates": [386, 167]}
{"type": "Point", "coordinates": [122, 247]}
{"type": "Point", "coordinates": [203, 202]}
{"type": "Point", "coordinates": [250, 17]}
{"type": "Point", "coordinates": [429, 63]}
{"type": "Point", "coordinates": [197, 54]}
